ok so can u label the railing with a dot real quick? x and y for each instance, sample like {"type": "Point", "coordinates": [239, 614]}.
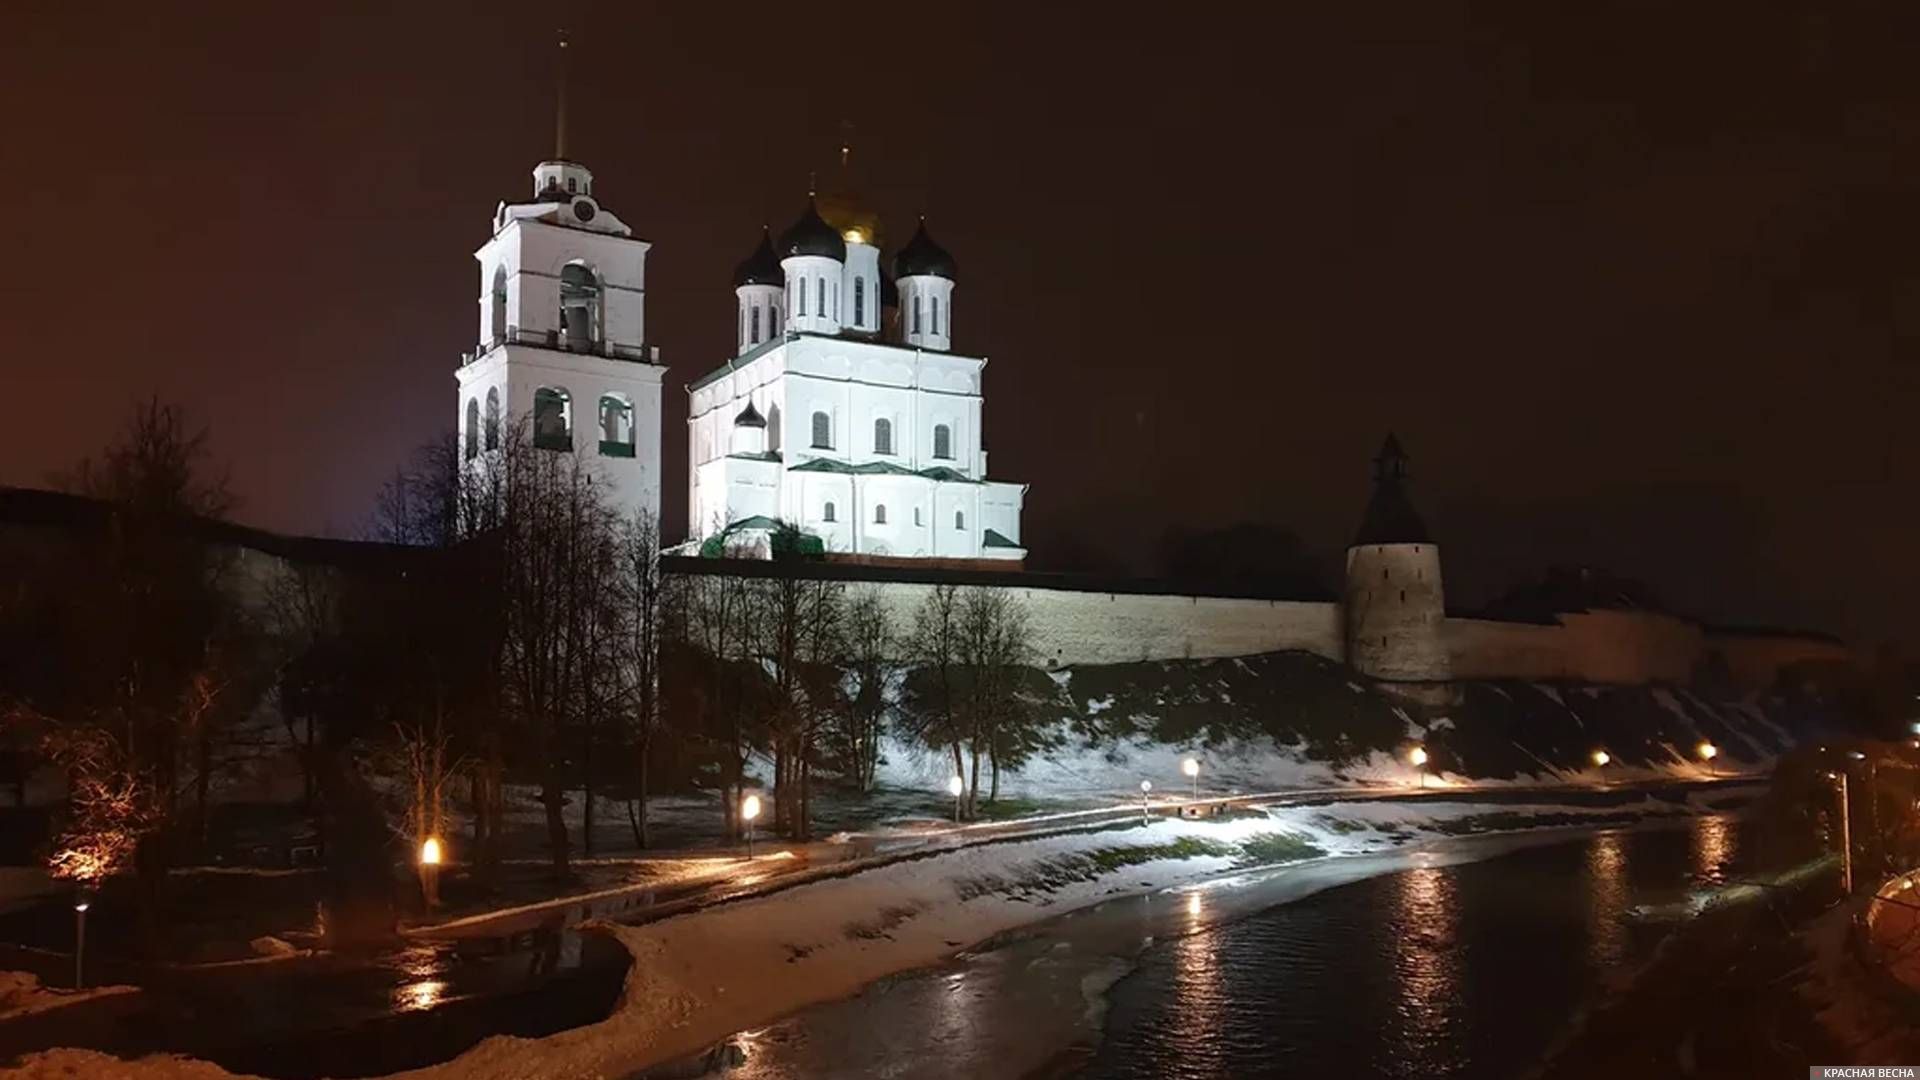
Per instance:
{"type": "Point", "coordinates": [554, 339]}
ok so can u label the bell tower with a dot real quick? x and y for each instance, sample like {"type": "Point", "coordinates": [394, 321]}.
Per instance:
{"type": "Point", "coordinates": [562, 356]}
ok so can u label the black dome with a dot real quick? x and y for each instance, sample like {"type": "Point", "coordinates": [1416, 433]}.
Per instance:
{"type": "Point", "coordinates": [749, 417]}
{"type": "Point", "coordinates": [923, 256]}
{"type": "Point", "coordinates": [761, 267]}
{"type": "Point", "coordinates": [811, 235]}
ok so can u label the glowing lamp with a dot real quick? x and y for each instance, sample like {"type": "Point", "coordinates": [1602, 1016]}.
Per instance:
{"type": "Point", "coordinates": [430, 851]}
{"type": "Point", "coordinates": [1601, 757]}
{"type": "Point", "coordinates": [750, 807]}
{"type": "Point", "coordinates": [1146, 786]}
{"type": "Point", "coordinates": [955, 786]}
{"type": "Point", "coordinates": [1191, 767]}
{"type": "Point", "coordinates": [1418, 756]}
{"type": "Point", "coordinates": [81, 905]}
{"type": "Point", "coordinates": [1708, 751]}
{"type": "Point", "coordinates": [855, 236]}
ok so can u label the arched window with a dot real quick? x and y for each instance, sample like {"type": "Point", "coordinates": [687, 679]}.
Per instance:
{"type": "Point", "coordinates": [827, 513]}
{"type": "Point", "coordinates": [936, 314]}
{"type": "Point", "coordinates": [552, 418]}
{"type": "Point", "coordinates": [820, 297]}
{"type": "Point", "coordinates": [942, 442]}
{"type": "Point", "coordinates": [616, 426]}
{"type": "Point", "coordinates": [916, 517]}
{"type": "Point", "coordinates": [579, 305]}
{"type": "Point", "coordinates": [879, 513]}
{"type": "Point", "coordinates": [498, 323]}
{"type": "Point", "coordinates": [959, 519]}
{"type": "Point", "coordinates": [822, 431]}
{"type": "Point", "coordinates": [755, 339]}
{"type": "Point", "coordinates": [773, 429]}
{"type": "Point", "coordinates": [802, 309]}
{"type": "Point", "coordinates": [916, 313]}
{"type": "Point", "coordinates": [859, 301]}
{"type": "Point", "coordinates": [883, 436]}
{"type": "Point", "coordinates": [493, 418]}
{"type": "Point", "coordinates": [473, 427]}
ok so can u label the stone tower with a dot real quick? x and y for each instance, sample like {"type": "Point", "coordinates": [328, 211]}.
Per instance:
{"type": "Point", "coordinates": [1394, 604]}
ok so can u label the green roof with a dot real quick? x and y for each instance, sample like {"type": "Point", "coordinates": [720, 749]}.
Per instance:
{"type": "Point", "coordinates": [884, 468]}
{"type": "Point", "coordinates": [715, 546]}
{"type": "Point", "coordinates": [994, 539]}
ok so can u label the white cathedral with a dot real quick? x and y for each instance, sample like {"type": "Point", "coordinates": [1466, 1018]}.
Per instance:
{"type": "Point", "coordinates": [843, 412]}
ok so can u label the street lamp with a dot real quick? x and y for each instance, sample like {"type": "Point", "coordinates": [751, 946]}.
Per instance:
{"type": "Point", "coordinates": [1191, 767]}
{"type": "Point", "coordinates": [750, 809]}
{"type": "Point", "coordinates": [1600, 759]}
{"type": "Point", "coordinates": [955, 786]}
{"type": "Point", "coordinates": [1146, 812]}
{"type": "Point", "coordinates": [430, 872]}
{"type": "Point", "coordinates": [1708, 752]}
{"type": "Point", "coordinates": [1418, 756]}
{"type": "Point", "coordinates": [82, 900]}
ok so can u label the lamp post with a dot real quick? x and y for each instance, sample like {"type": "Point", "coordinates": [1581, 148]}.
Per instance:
{"type": "Point", "coordinates": [430, 872]}
{"type": "Point", "coordinates": [1191, 767]}
{"type": "Point", "coordinates": [955, 786]}
{"type": "Point", "coordinates": [81, 902]}
{"type": "Point", "coordinates": [749, 809]}
{"type": "Point", "coordinates": [1146, 810]}
{"type": "Point", "coordinates": [1708, 752]}
{"type": "Point", "coordinates": [1418, 756]}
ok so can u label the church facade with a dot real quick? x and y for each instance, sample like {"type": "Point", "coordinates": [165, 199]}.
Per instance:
{"type": "Point", "coordinates": [844, 411]}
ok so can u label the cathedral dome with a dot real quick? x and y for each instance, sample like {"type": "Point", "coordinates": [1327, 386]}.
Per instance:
{"type": "Point", "coordinates": [750, 417]}
{"type": "Point", "coordinates": [811, 235]}
{"type": "Point", "coordinates": [761, 267]}
{"type": "Point", "coordinates": [922, 256]}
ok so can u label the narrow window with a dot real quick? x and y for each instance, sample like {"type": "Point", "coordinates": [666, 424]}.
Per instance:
{"type": "Point", "coordinates": [822, 431]}
{"type": "Point", "coordinates": [860, 301]}
{"type": "Point", "coordinates": [883, 436]}
{"type": "Point", "coordinates": [916, 313]}
{"type": "Point", "coordinates": [879, 513]}
{"type": "Point", "coordinates": [498, 321]}
{"type": "Point", "coordinates": [572, 185]}
{"type": "Point", "coordinates": [1383, 573]}
{"type": "Point", "coordinates": [493, 418]}
{"type": "Point", "coordinates": [755, 339]}
{"type": "Point", "coordinates": [1403, 596]}
{"type": "Point", "coordinates": [936, 314]}
{"type": "Point", "coordinates": [827, 514]}
{"type": "Point", "coordinates": [803, 298]}
{"type": "Point", "coordinates": [820, 297]}
{"type": "Point", "coordinates": [959, 519]}
{"type": "Point", "coordinates": [916, 517]}
{"type": "Point", "coordinates": [473, 428]}
{"type": "Point", "coordinates": [942, 442]}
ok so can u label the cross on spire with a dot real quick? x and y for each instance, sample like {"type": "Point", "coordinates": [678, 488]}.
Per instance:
{"type": "Point", "coordinates": [560, 104]}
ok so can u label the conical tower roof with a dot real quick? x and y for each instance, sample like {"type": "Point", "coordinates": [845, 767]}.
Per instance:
{"type": "Point", "coordinates": [1390, 516]}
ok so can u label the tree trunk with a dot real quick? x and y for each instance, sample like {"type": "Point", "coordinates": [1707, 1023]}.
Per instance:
{"type": "Point", "coordinates": [805, 830]}
{"type": "Point", "coordinates": [586, 792]}
{"type": "Point", "coordinates": [639, 821]}
{"type": "Point", "coordinates": [203, 754]}
{"type": "Point", "coordinates": [993, 764]}
{"type": "Point", "coordinates": [973, 787]}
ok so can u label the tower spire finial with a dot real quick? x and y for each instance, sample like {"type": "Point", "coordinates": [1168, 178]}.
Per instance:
{"type": "Point", "coordinates": [813, 185]}
{"type": "Point", "coordinates": [560, 104]}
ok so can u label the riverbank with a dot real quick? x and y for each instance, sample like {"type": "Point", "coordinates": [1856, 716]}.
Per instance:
{"type": "Point", "coordinates": [699, 978]}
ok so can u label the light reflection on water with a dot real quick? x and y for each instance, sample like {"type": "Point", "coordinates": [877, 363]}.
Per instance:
{"type": "Point", "coordinates": [1426, 971]}
{"type": "Point", "coordinates": [1715, 844]}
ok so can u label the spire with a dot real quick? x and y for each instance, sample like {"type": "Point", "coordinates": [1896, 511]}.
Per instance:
{"type": "Point", "coordinates": [1390, 465]}
{"type": "Point", "coordinates": [1390, 517]}
{"type": "Point", "coordinates": [560, 104]}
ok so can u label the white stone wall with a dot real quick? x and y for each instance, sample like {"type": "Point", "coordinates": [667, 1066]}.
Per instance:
{"type": "Point", "coordinates": [534, 253]}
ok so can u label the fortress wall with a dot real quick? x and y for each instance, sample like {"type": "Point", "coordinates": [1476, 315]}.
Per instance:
{"type": "Point", "coordinates": [1754, 661]}
{"type": "Point", "coordinates": [1622, 647]}
{"type": "Point", "coordinates": [1071, 627]}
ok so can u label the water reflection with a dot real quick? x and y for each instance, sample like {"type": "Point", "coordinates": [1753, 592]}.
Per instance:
{"type": "Point", "coordinates": [1427, 969]}
{"type": "Point", "coordinates": [418, 996]}
{"type": "Point", "coordinates": [1715, 844]}
{"type": "Point", "coordinates": [1607, 900]}
{"type": "Point", "coordinates": [1198, 994]}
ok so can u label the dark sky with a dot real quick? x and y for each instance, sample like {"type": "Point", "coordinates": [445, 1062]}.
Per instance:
{"type": "Point", "coordinates": [1634, 282]}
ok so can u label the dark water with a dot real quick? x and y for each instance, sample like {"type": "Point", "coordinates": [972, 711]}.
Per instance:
{"type": "Point", "coordinates": [1466, 959]}
{"type": "Point", "coordinates": [1470, 970]}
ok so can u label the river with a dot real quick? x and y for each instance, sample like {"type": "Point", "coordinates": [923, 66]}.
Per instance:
{"type": "Point", "coordinates": [1468, 958]}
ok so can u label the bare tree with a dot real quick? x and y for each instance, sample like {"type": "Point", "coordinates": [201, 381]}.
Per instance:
{"type": "Point", "coordinates": [968, 649]}
{"type": "Point", "coordinates": [641, 622]}
{"type": "Point", "coordinates": [715, 631]}
{"type": "Point", "coordinates": [800, 624]}
{"type": "Point", "coordinates": [870, 653]}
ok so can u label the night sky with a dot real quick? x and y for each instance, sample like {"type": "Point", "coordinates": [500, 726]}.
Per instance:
{"type": "Point", "coordinates": [1634, 282]}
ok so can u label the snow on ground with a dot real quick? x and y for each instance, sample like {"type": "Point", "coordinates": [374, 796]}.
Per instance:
{"type": "Point", "coordinates": [22, 995]}
{"type": "Point", "coordinates": [700, 977]}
